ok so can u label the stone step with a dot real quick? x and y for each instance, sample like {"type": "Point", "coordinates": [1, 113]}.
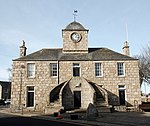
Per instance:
{"type": "Point", "coordinates": [101, 104]}
{"type": "Point", "coordinates": [103, 109]}
{"type": "Point", "coordinates": [100, 99]}
{"type": "Point", "coordinates": [120, 108]}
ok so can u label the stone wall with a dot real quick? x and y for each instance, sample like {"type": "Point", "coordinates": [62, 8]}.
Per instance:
{"type": "Point", "coordinates": [70, 46]}
{"type": "Point", "coordinates": [78, 84]}
{"type": "Point", "coordinates": [109, 79]}
{"type": "Point", "coordinates": [43, 83]}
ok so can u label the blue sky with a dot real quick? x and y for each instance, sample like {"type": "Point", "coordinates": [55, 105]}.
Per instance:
{"type": "Point", "coordinates": [39, 23]}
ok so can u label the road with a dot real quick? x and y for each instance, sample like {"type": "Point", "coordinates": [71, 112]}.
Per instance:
{"type": "Point", "coordinates": [11, 120]}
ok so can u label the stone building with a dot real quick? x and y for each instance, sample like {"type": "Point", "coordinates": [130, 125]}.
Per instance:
{"type": "Point", "coordinates": [74, 76]}
{"type": "Point", "coordinates": [5, 90]}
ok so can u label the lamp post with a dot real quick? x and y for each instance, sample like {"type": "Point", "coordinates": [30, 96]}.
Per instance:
{"type": "Point", "coordinates": [9, 80]}
{"type": "Point", "coordinates": [20, 91]}
{"type": "Point", "coordinates": [145, 91]}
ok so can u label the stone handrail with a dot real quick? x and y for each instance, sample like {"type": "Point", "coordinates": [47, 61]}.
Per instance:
{"type": "Point", "coordinates": [103, 91]}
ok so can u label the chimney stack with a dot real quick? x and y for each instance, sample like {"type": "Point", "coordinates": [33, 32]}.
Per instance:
{"type": "Point", "coordinates": [126, 50]}
{"type": "Point", "coordinates": [23, 49]}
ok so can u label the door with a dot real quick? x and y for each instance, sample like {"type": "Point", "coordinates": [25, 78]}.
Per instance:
{"type": "Point", "coordinates": [122, 97]}
{"type": "Point", "coordinates": [77, 99]}
{"type": "Point", "coordinates": [30, 96]}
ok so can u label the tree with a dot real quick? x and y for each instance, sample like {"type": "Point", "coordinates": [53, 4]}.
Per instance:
{"type": "Point", "coordinates": [9, 72]}
{"type": "Point", "coordinates": [144, 65]}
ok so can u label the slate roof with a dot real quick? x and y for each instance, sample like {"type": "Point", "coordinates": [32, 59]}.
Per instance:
{"type": "Point", "coordinates": [75, 26]}
{"type": "Point", "coordinates": [94, 54]}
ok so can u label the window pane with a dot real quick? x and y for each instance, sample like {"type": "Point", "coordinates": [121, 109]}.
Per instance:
{"type": "Point", "coordinates": [76, 65]}
{"type": "Point", "coordinates": [98, 71]}
{"type": "Point", "coordinates": [120, 69]}
{"type": "Point", "coordinates": [76, 72]}
{"type": "Point", "coordinates": [53, 69]}
{"type": "Point", "coordinates": [31, 88]}
{"type": "Point", "coordinates": [31, 69]}
{"type": "Point", "coordinates": [121, 86]}
{"type": "Point", "coordinates": [76, 69]}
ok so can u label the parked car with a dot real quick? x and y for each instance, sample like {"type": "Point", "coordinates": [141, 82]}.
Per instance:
{"type": "Point", "coordinates": [7, 101]}
{"type": "Point", "coordinates": [2, 102]}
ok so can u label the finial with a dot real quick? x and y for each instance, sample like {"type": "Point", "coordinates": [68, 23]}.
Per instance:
{"type": "Point", "coordinates": [126, 44]}
{"type": "Point", "coordinates": [75, 14]}
{"type": "Point", "coordinates": [23, 43]}
{"type": "Point", "coordinates": [126, 33]}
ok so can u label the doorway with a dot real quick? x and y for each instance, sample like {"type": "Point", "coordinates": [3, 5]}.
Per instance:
{"type": "Point", "coordinates": [122, 97]}
{"type": "Point", "coordinates": [77, 99]}
{"type": "Point", "coordinates": [30, 96]}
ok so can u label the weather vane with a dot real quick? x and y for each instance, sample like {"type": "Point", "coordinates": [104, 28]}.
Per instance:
{"type": "Point", "coordinates": [75, 14]}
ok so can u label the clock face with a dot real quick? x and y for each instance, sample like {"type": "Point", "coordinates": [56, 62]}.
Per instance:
{"type": "Point", "coordinates": [75, 37]}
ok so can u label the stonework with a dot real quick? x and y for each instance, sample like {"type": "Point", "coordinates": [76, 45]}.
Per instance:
{"type": "Point", "coordinates": [44, 83]}
{"type": "Point", "coordinates": [66, 84]}
{"type": "Point", "coordinates": [70, 46]}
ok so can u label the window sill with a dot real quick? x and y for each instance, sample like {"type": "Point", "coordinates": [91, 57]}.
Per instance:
{"type": "Point", "coordinates": [98, 76]}
{"type": "Point", "coordinates": [32, 77]}
{"type": "Point", "coordinates": [53, 76]}
{"type": "Point", "coordinates": [120, 76]}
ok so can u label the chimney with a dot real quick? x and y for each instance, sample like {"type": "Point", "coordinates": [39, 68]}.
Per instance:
{"type": "Point", "coordinates": [23, 49]}
{"type": "Point", "coordinates": [126, 50]}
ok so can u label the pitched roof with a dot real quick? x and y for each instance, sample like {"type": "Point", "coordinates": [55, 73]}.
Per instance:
{"type": "Point", "coordinates": [94, 54]}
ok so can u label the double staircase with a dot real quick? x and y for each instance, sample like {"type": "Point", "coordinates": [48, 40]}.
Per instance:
{"type": "Point", "coordinates": [101, 98]}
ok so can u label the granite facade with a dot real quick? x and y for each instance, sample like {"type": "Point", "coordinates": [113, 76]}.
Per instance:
{"type": "Point", "coordinates": [43, 83]}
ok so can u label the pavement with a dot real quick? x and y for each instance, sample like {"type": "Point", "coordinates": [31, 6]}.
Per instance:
{"type": "Point", "coordinates": [104, 119]}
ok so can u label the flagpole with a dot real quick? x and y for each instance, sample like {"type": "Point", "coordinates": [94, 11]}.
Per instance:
{"type": "Point", "coordinates": [75, 14]}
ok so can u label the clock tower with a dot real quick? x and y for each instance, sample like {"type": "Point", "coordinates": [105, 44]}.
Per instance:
{"type": "Point", "coordinates": [75, 38]}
